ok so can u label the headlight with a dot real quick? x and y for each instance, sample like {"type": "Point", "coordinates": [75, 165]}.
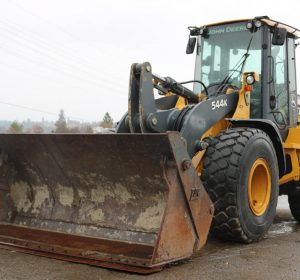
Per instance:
{"type": "Point", "coordinates": [250, 79]}
{"type": "Point", "coordinates": [249, 25]}
{"type": "Point", "coordinates": [257, 23]}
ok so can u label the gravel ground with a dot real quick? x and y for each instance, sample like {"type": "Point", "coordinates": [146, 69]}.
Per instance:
{"type": "Point", "coordinates": [275, 257]}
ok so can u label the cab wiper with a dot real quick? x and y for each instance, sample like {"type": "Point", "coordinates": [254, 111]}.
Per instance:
{"type": "Point", "coordinates": [240, 65]}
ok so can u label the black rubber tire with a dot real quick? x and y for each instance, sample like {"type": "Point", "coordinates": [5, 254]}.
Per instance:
{"type": "Point", "coordinates": [227, 163]}
{"type": "Point", "coordinates": [294, 202]}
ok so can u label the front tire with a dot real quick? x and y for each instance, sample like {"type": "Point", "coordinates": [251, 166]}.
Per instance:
{"type": "Point", "coordinates": [240, 174]}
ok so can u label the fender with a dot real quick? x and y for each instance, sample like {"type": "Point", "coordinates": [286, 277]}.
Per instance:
{"type": "Point", "coordinates": [203, 116]}
{"type": "Point", "coordinates": [272, 131]}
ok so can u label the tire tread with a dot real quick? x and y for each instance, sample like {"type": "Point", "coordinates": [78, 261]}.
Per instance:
{"type": "Point", "coordinates": [220, 178]}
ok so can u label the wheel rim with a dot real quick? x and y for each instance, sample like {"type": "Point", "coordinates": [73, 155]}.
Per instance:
{"type": "Point", "coordinates": [259, 187]}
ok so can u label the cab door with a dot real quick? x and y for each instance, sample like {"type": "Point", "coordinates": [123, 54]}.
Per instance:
{"type": "Point", "coordinates": [282, 85]}
{"type": "Point", "coordinates": [292, 81]}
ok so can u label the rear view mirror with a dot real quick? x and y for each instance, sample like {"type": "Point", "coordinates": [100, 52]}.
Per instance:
{"type": "Point", "coordinates": [191, 45]}
{"type": "Point", "coordinates": [279, 36]}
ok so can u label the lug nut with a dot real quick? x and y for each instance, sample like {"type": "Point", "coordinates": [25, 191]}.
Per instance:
{"type": "Point", "coordinates": [186, 164]}
{"type": "Point", "coordinates": [154, 121]}
{"type": "Point", "coordinates": [201, 145]}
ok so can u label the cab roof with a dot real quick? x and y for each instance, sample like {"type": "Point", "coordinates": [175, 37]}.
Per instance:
{"type": "Point", "coordinates": [270, 22]}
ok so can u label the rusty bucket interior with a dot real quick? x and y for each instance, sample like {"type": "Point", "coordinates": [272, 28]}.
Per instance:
{"type": "Point", "coordinates": [124, 201]}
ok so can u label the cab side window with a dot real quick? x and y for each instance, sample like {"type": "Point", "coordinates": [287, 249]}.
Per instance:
{"type": "Point", "coordinates": [280, 85]}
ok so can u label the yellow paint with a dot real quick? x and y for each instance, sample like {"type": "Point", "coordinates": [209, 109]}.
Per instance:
{"type": "Point", "coordinates": [294, 174]}
{"type": "Point", "coordinates": [293, 139]}
{"type": "Point", "coordinates": [228, 22]}
{"type": "Point", "coordinates": [268, 22]}
{"type": "Point", "coordinates": [242, 110]}
{"type": "Point", "coordinates": [197, 161]}
{"type": "Point", "coordinates": [243, 107]}
{"type": "Point", "coordinates": [181, 103]}
{"type": "Point", "coordinates": [211, 132]}
{"type": "Point", "coordinates": [259, 187]}
{"type": "Point", "coordinates": [292, 148]}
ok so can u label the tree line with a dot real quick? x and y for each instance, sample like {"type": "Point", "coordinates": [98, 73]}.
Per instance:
{"type": "Point", "coordinates": [62, 126]}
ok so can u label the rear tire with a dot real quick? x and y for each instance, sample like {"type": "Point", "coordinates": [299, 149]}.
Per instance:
{"type": "Point", "coordinates": [240, 174]}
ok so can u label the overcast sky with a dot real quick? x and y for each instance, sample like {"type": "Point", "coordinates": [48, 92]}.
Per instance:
{"type": "Point", "coordinates": [76, 54]}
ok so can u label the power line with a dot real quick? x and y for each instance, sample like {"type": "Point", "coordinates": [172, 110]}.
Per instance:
{"type": "Point", "coordinates": [110, 87]}
{"type": "Point", "coordinates": [113, 84]}
{"type": "Point", "coordinates": [63, 53]}
{"type": "Point", "coordinates": [63, 30]}
{"type": "Point", "coordinates": [55, 69]}
{"type": "Point", "coordinates": [80, 62]}
{"type": "Point", "coordinates": [37, 110]}
{"type": "Point", "coordinates": [67, 68]}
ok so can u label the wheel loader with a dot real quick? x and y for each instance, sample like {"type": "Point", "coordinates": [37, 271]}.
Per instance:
{"type": "Point", "coordinates": [180, 165]}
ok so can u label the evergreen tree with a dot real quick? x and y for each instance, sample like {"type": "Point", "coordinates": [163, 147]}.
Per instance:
{"type": "Point", "coordinates": [61, 124]}
{"type": "Point", "coordinates": [36, 128]}
{"type": "Point", "coordinates": [74, 129]}
{"type": "Point", "coordinates": [107, 121]}
{"type": "Point", "coordinates": [15, 127]}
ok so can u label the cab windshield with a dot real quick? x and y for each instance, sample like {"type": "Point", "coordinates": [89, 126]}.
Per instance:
{"type": "Point", "coordinates": [225, 51]}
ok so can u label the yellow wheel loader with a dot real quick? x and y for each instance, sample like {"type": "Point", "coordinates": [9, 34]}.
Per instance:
{"type": "Point", "coordinates": [212, 159]}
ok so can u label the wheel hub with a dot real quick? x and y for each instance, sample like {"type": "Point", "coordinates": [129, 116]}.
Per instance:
{"type": "Point", "coordinates": [259, 187]}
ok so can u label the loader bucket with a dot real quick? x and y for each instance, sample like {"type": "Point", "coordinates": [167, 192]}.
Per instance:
{"type": "Point", "coordinates": [125, 201]}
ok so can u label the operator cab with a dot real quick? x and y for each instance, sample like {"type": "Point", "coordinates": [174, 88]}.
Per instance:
{"type": "Point", "coordinates": [225, 51]}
